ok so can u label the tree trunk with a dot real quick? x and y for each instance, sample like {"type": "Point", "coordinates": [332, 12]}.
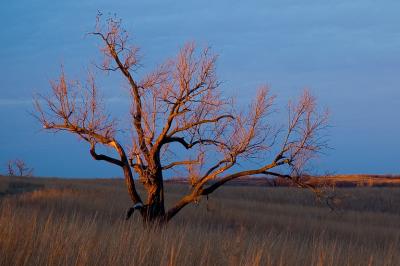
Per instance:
{"type": "Point", "coordinates": [154, 211]}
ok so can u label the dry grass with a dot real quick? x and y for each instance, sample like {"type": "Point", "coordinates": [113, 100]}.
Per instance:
{"type": "Point", "coordinates": [80, 222]}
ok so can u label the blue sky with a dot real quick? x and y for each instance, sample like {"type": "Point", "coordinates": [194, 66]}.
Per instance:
{"type": "Point", "coordinates": [346, 52]}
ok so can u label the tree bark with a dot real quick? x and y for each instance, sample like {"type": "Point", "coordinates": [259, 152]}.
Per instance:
{"type": "Point", "coordinates": [154, 210]}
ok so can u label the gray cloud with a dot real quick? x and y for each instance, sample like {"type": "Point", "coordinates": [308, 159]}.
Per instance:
{"type": "Point", "coordinates": [347, 52]}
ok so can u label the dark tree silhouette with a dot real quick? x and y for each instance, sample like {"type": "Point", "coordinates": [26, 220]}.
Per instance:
{"type": "Point", "coordinates": [18, 167]}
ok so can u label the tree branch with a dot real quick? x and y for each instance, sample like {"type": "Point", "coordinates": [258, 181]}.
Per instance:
{"type": "Point", "coordinates": [110, 40]}
{"type": "Point", "coordinates": [190, 145]}
{"type": "Point", "coordinates": [227, 178]}
{"type": "Point", "coordinates": [197, 123]}
{"type": "Point", "coordinates": [102, 157]}
{"type": "Point", "coordinates": [188, 162]}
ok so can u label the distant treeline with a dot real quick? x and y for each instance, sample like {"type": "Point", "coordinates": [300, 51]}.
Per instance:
{"type": "Point", "coordinates": [357, 180]}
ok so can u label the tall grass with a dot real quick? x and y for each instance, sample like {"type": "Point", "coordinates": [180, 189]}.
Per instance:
{"type": "Point", "coordinates": [80, 222]}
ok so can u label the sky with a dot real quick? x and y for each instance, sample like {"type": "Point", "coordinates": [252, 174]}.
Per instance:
{"type": "Point", "coordinates": [347, 53]}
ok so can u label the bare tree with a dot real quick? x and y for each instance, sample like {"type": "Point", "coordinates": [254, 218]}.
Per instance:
{"type": "Point", "coordinates": [18, 167]}
{"type": "Point", "coordinates": [179, 108]}
{"type": "Point", "coordinates": [10, 168]}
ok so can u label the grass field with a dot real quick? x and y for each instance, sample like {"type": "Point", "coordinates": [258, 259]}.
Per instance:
{"type": "Point", "coordinates": [80, 222]}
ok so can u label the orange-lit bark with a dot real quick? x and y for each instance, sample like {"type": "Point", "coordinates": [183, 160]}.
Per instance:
{"type": "Point", "coordinates": [180, 106]}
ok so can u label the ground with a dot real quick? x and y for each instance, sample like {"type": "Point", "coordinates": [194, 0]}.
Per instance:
{"type": "Point", "coordinates": [81, 222]}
